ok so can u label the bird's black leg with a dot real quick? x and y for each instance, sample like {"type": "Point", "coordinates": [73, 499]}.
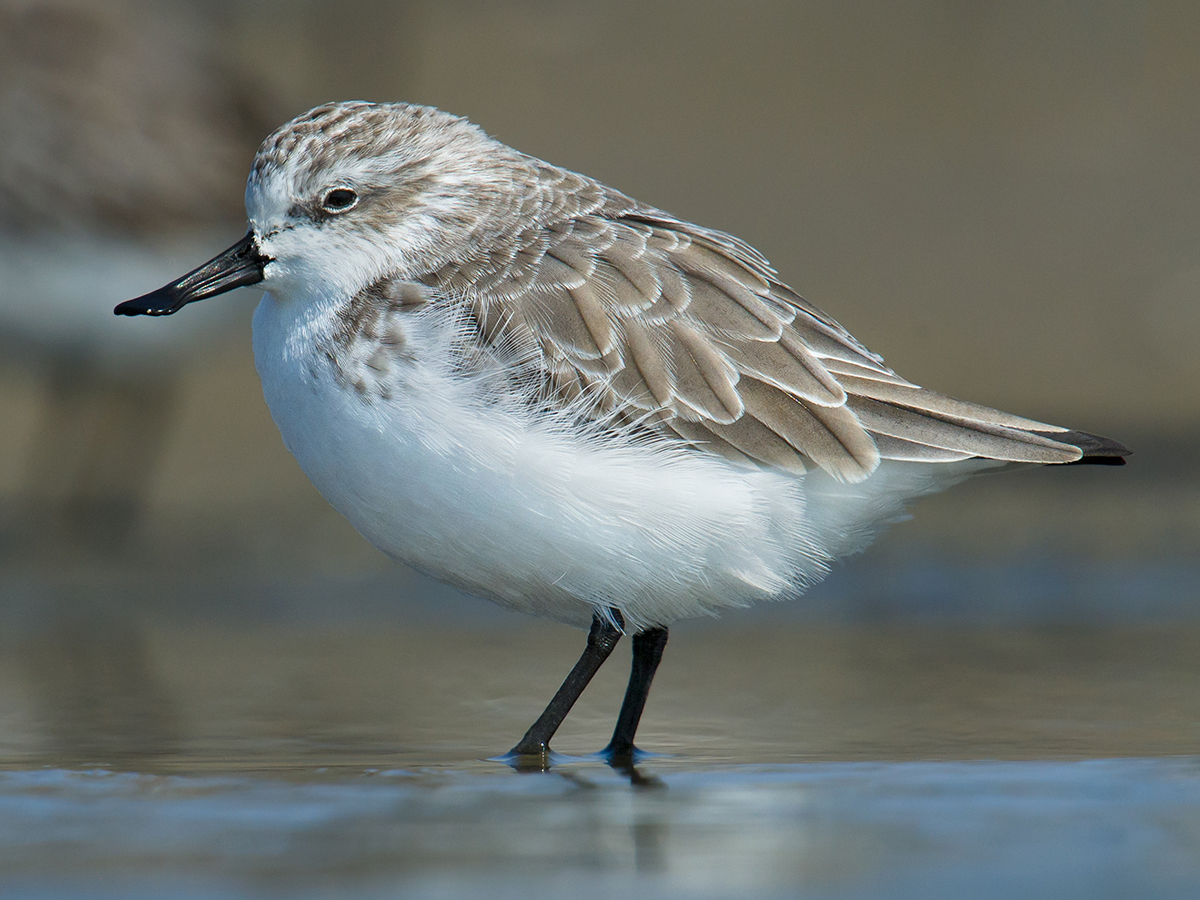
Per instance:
{"type": "Point", "coordinates": [603, 637]}
{"type": "Point", "coordinates": [647, 653]}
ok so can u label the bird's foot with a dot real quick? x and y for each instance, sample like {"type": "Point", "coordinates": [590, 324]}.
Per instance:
{"type": "Point", "coordinates": [624, 754]}
{"type": "Point", "coordinates": [530, 756]}
{"type": "Point", "coordinates": [624, 759]}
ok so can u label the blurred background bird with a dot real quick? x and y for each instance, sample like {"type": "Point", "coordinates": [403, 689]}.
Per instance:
{"type": "Point", "coordinates": [125, 131]}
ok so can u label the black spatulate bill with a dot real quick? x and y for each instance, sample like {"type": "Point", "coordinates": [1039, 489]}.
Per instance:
{"type": "Point", "coordinates": [238, 266]}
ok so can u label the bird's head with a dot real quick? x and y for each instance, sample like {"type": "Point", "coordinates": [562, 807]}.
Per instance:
{"type": "Point", "coordinates": [349, 192]}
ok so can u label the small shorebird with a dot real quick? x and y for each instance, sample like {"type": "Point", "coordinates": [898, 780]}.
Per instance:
{"type": "Point", "coordinates": [539, 390]}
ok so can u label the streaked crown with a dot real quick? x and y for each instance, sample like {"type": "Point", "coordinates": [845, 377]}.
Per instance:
{"type": "Point", "coordinates": [407, 181]}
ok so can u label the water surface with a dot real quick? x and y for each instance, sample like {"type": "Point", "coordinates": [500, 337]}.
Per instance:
{"type": "Point", "coordinates": [798, 758]}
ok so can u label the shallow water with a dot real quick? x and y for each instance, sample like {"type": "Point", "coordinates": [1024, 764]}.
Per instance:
{"type": "Point", "coordinates": [1100, 828]}
{"type": "Point", "coordinates": [192, 757]}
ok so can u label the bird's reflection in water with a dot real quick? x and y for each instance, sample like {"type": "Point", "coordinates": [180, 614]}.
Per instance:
{"type": "Point", "coordinates": [647, 825]}
{"type": "Point", "coordinates": [625, 764]}
{"type": "Point", "coordinates": [637, 778]}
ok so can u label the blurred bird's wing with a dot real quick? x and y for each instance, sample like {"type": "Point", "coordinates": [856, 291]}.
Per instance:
{"type": "Point", "coordinates": [633, 314]}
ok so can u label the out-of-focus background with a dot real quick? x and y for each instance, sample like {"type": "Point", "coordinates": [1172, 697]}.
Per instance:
{"type": "Point", "coordinates": [1002, 199]}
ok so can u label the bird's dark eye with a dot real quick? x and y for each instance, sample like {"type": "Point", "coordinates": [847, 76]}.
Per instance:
{"type": "Point", "coordinates": [339, 200]}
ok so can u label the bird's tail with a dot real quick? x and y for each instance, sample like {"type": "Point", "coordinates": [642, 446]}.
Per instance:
{"type": "Point", "coordinates": [914, 424]}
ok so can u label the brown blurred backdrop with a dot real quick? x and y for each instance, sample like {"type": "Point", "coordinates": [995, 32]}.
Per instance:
{"type": "Point", "coordinates": [1000, 198]}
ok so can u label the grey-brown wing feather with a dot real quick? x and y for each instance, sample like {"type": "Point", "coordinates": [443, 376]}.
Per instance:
{"type": "Point", "coordinates": [632, 312]}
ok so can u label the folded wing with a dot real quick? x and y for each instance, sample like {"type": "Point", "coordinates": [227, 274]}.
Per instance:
{"type": "Point", "coordinates": [635, 315]}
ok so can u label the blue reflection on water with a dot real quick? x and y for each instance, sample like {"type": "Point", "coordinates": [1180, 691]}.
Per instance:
{"type": "Point", "coordinates": [1097, 828]}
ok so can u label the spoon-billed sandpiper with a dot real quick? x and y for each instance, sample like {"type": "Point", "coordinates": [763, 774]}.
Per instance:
{"type": "Point", "coordinates": [544, 392]}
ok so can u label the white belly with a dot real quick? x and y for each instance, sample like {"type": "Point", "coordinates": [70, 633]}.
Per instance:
{"type": "Point", "coordinates": [544, 522]}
